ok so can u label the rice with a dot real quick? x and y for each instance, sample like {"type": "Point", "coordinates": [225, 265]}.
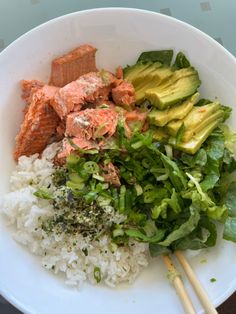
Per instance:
{"type": "Point", "coordinates": [77, 257]}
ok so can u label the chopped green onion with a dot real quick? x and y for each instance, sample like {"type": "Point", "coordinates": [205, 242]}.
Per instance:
{"type": "Point", "coordinates": [100, 187]}
{"type": "Point", "coordinates": [90, 197]}
{"type": "Point", "coordinates": [72, 159]}
{"type": "Point", "coordinates": [83, 173]}
{"type": "Point", "coordinates": [97, 274]}
{"type": "Point", "coordinates": [98, 177]}
{"type": "Point", "coordinates": [122, 198]}
{"type": "Point", "coordinates": [149, 193]}
{"type": "Point", "coordinates": [169, 151]}
{"type": "Point", "coordinates": [75, 178]}
{"type": "Point", "coordinates": [44, 193]}
{"type": "Point", "coordinates": [115, 197]}
{"type": "Point", "coordinates": [75, 186]}
{"type": "Point", "coordinates": [137, 145]}
{"type": "Point", "coordinates": [163, 177]}
{"type": "Point", "coordinates": [128, 200]}
{"type": "Point", "coordinates": [138, 189]}
{"type": "Point", "coordinates": [91, 167]}
{"type": "Point", "coordinates": [118, 232]}
{"type": "Point", "coordinates": [90, 151]}
{"type": "Point", "coordinates": [146, 163]}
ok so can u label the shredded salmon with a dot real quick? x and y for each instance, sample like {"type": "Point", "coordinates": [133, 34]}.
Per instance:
{"type": "Point", "coordinates": [72, 65]}
{"type": "Point", "coordinates": [111, 174]}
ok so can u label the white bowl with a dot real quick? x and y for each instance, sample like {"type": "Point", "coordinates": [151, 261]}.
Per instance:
{"type": "Point", "coordinates": [120, 35]}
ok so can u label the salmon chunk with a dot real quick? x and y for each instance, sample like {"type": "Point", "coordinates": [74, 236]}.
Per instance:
{"type": "Point", "coordinates": [28, 89]}
{"type": "Point", "coordinates": [72, 65]}
{"type": "Point", "coordinates": [39, 123]}
{"type": "Point", "coordinates": [92, 123]}
{"type": "Point", "coordinates": [124, 94]}
{"type": "Point", "coordinates": [89, 88]}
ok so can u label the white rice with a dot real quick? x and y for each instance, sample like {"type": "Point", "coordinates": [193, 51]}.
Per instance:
{"type": "Point", "coordinates": [64, 253]}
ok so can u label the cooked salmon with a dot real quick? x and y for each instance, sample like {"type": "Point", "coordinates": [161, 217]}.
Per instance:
{"type": "Point", "coordinates": [28, 88]}
{"type": "Point", "coordinates": [92, 123]}
{"type": "Point", "coordinates": [61, 128]}
{"type": "Point", "coordinates": [89, 88]}
{"type": "Point", "coordinates": [39, 123]}
{"type": "Point", "coordinates": [124, 94]}
{"type": "Point", "coordinates": [111, 174]}
{"type": "Point", "coordinates": [72, 65]}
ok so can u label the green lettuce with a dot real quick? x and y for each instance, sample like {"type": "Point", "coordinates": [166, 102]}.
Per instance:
{"type": "Point", "coordinates": [184, 229]}
{"type": "Point", "coordinates": [230, 223]}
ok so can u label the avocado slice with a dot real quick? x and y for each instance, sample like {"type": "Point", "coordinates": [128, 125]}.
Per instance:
{"type": "Point", "coordinates": [194, 119]}
{"type": "Point", "coordinates": [131, 72]}
{"type": "Point", "coordinates": [138, 71]}
{"type": "Point", "coordinates": [151, 80]}
{"type": "Point", "coordinates": [192, 146]}
{"type": "Point", "coordinates": [189, 133]}
{"type": "Point", "coordinates": [179, 111]}
{"type": "Point", "coordinates": [182, 84]}
{"type": "Point", "coordinates": [145, 76]}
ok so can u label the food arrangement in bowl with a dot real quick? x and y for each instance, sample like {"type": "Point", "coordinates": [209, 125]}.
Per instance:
{"type": "Point", "coordinates": [116, 168]}
{"type": "Point", "coordinates": [144, 171]}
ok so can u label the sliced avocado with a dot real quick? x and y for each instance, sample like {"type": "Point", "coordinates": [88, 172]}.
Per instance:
{"type": "Point", "coordinates": [140, 70]}
{"type": "Point", "coordinates": [141, 89]}
{"type": "Point", "coordinates": [196, 141]}
{"type": "Point", "coordinates": [189, 133]}
{"type": "Point", "coordinates": [147, 74]}
{"type": "Point", "coordinates": [151, 80]}
{"type": "Point", "coordinates": [193, 119]}
{"type": "Point", "coordinates": [160, 135]}
{"type": "Point", "coordinates": [179, 111]}
{"type": "Point", "coordinates": [182, 84]}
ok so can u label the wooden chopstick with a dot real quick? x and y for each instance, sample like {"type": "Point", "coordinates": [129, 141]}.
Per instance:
{"type": "Point", "coordinates": [179, 286]}
{"type": "Point", "coordinates": [200, 292]}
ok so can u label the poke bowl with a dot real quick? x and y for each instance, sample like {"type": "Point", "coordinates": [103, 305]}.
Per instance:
{"type": "Point", "coordinates": [118, 109]}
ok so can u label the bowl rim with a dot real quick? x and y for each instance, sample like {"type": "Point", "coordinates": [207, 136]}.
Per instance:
{"type": "Point", "coordinates": [232, 288]}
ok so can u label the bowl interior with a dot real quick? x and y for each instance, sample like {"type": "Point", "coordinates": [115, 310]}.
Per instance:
{"type": "Point", "coordinates": [120, 36]}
